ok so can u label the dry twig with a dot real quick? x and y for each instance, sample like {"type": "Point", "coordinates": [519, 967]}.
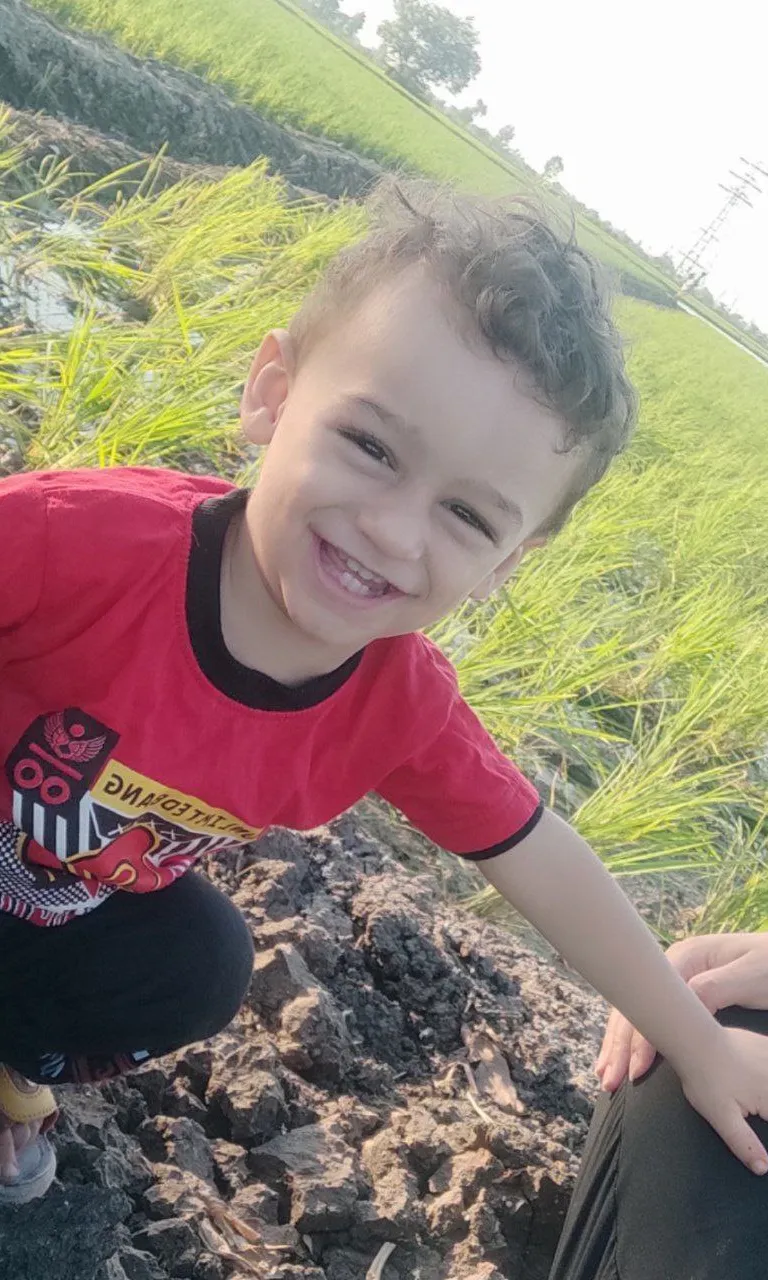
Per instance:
{"type": "Point", "coordinates": [244, 1260]}
{"type": "Point", "coordinates": [230, 1226]}
{"type": "Point", "coordinates": [475, 1105]}
{"type": "Point", "coordinates": [376, 1269]}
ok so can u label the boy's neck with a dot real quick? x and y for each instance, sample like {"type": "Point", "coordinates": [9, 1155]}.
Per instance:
{"type": "Point", "coordinates": [255, 631]}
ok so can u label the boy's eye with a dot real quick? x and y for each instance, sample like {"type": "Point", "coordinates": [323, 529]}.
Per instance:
{"type": "Point", "coordinates": [471, 518]}
{"type": "Point", "coordinates": [368, 444]}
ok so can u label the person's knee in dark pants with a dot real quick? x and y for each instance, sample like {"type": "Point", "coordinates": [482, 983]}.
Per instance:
{"type": "Point", "coordinates": [659, 1196]}
{"type": "Point", "coordinates": [143, 975]}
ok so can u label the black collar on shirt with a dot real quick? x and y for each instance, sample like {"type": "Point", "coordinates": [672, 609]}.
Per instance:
{"type": "Point", "coordinates": [210, 521]}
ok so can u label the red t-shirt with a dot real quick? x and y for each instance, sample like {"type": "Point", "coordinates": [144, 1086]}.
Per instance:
{"type": "Point", "coordinates": [132, 742]}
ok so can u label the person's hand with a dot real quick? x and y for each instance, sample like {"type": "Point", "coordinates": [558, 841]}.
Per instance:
{"type": "Point", "coordinates": [730, 1085]}
{"type": "Point", "coordinates": [723, 969]}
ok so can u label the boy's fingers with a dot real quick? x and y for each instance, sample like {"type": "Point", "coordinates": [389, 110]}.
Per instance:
{"type": "Point", "coordinates": [605, 1048]}
{"type": "Point", "coordinates": [742, 1140]}
{"type": "Point", "coordinates": [617, 1055]}
{"type": "Point", "coordinates": [642, 1057]}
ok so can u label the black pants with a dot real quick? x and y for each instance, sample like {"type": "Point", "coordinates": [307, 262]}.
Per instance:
{"type": "Point", "coordinates": [139, 976]}
{"type": "Point", "coordinates": [659, 1196]}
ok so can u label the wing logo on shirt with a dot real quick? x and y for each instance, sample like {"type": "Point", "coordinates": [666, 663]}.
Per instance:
{"type": "Point", "coordinates": [70, 744]}
{"type": "Point", "coordinates": [59, 758]}
{"type": "Point", "coordinates": [80, 812]}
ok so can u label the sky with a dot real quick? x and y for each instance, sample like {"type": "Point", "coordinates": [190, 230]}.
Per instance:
{"type": "Point", "coordinates": [649, 107]}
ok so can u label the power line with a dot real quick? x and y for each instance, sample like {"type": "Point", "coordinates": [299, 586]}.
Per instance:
{"type": "Point", "coordinates": [691, 266]}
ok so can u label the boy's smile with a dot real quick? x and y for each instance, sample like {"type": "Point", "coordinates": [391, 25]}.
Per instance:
{"type": "Point", "coordinates": [408, 468]}
{"type": "Point", "coordinates": [345, 574]}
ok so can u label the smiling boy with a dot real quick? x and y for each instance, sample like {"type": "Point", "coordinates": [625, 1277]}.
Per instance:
{"type": "Point", "coordinates": [398, 479]}
{"type": "Point", "coordinates": [184, 664]}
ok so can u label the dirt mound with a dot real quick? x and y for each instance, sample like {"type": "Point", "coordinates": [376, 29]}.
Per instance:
{"type": "Point", "coordinates": [404, 1094]}
{"type": "Point", "coordinates": [92, 155]}
{"type": "Point", "coordinates": [150, 104]}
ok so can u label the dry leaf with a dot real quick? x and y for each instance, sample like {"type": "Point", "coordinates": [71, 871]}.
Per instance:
{"type": "Point", "coordinates": [491, 1072]}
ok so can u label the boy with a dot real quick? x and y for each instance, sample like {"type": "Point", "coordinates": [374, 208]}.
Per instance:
{"type": "Point", "coordinates": [184, 664]}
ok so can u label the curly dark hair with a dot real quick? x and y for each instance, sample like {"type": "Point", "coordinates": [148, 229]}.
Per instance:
{"type": "Point", "coordinates": [520, 283]}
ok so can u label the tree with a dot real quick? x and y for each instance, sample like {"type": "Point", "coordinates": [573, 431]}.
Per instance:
{"type": "Point", "coordinates": [467, 115]}
{"type": "Point", "coordinates": [426, 45]}
{"type": "Point", "coordinates": [553, 168]}
{"type": "Point", "coordinates": [506, 135]}
{"type": "Point", "coordinates": [330, 13]}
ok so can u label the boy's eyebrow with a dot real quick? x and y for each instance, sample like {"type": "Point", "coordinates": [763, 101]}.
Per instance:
{"type": "Point", "coordinates": [504, 504]}
{"type": "Point", "coordinates": [387, 416]}
{"type": "Point", "coordinates": [392, 419]}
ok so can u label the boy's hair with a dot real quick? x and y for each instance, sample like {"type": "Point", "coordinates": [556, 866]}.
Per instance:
{"type": "Point", "coordinates": [526, 288]}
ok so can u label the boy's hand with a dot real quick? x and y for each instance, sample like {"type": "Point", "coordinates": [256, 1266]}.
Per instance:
{"type": "Point", "coordinates": [728, 1087]}
{"type": "Point", "coordinates": [722, 969]}
{"type": "Point", "coordinates": [554, 879]}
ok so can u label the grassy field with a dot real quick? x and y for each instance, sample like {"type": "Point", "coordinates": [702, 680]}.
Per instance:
{"type": "Point", "coordinates": [276, 59]}
{"type": "Point", "coordinates": [271, 55]}
{"type": "Point", "coordinates": [626, 667]}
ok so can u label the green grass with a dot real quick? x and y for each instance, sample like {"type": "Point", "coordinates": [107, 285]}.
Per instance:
{"type": "Point", "coordinates": [725, 326]}
{"type": "Point", "coordinates": [275, 58]}
{"type": "Point", "coordinates": [625, 668]}
{"type": "Point", "coordinates": [271, 55]}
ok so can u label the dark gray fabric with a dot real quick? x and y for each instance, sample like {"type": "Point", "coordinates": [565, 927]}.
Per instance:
{"type": "Point", "coordinates": [140, 975]}
{"type": "Point", "coordinates": [659, 1196]}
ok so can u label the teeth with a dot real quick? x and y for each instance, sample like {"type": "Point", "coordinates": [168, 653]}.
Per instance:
{"type": "Point", "coordinates": [356, 577]}
{"type": "Point", "coordinates": [354, 584]}
{"type": "Point", "coordinates": [361, 570]}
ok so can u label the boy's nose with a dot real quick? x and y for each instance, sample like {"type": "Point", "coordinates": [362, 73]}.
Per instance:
{"type": "Point", "coordinates": [395, 532]}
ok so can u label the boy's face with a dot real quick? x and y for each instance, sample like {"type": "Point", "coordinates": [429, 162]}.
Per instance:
{"type": "Point", "coordinates": [405, 471]}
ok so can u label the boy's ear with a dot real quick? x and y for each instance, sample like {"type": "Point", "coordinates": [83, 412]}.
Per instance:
{"type": "Point", "coordinates": [507, 567]}
{"type": "Point", "coordinates": [266, 388]}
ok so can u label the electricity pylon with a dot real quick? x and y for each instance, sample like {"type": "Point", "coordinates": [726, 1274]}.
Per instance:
{"type": "Point", "coordinates": [692, 266]}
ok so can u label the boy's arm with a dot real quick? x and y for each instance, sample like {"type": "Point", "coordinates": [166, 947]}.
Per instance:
{"type": "Point", "coordinates": [555, 880]}
{"type": "Point", "coordinates": [459, 788]}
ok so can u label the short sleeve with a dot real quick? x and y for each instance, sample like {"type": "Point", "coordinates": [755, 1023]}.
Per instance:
{"type": "Point", "coordinates": [23, 529]}
{"type": "Point", "coordinates": [462, 791]}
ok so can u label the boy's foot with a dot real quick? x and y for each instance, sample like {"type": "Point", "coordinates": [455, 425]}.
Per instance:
{"type": "Point", "coordinates": [27, 1161]}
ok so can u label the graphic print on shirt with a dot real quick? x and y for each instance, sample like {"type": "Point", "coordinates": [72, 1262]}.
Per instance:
{"type": "Point", "coordinates": [84, 824]}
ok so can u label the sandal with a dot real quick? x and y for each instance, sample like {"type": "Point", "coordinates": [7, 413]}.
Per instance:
{"type": "Point", "coordinates": [22, 1101]}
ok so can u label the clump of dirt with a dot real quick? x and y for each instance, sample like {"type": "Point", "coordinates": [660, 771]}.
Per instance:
{"type": "Point", "coordinates": [149, 104]}
{"type": "Point", "coordinates": [404, 1093]}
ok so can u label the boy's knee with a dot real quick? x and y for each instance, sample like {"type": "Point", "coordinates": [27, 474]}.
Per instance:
{"type": "Point", "coordinates": [214, 954]}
